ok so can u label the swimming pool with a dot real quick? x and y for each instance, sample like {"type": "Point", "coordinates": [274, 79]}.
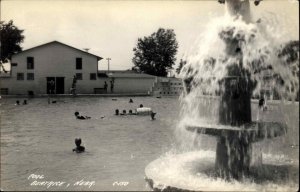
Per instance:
{"type": "Point", "coordinates": [38, 138]}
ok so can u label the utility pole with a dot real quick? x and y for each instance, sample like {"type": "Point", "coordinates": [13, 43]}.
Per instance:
{"type": "Point", "coordinates": [108, 63]}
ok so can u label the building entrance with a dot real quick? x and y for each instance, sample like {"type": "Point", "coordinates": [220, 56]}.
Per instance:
{"type": "Point", "coordinates": [55, 85]}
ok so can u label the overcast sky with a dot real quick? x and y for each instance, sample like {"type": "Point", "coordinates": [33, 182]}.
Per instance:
{"type": "Point", "coordinates": [111, 28]}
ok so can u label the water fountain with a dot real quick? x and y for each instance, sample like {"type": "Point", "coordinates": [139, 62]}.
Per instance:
{"type": "Point", "coordinates": [234, 75]}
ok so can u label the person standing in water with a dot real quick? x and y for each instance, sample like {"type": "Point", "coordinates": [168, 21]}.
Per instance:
{"type": "Point", "coordinates": [78, 149]}
{"type": "Point", "coordinates": [152, 115]}
{"type": "Point", "coordinates": [262, 107]}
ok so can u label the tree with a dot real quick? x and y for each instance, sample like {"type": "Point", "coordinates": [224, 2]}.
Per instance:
{"type": "Point", "coordinates": [155, 54]}
{"type": "Point", "coordinates": [181, 64]}
{"type": "Point", "coordinates": [11, 38]}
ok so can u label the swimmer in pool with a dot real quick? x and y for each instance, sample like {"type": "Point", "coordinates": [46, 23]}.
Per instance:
{"type": "Point", "coordinates": [123, 112]}
{"type": "Point", "coordinates": [152, 115]}
{"type": "Point", "coordinates": [80, 117]}
{"type": "Point", "coordinates": [131, 113]}
{"type": "Point", "coordinates": [78, 149]}
{"type": "Point", "coordinates": [262, 104]}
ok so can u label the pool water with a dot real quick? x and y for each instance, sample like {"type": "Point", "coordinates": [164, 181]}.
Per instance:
{"type": "Point", "coordinates": [38, 138]}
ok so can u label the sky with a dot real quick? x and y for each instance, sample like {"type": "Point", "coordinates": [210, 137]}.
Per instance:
{"type": "Point", "coordinates": [110, 29]}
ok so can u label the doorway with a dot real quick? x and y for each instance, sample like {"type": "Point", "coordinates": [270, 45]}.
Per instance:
{"type": "Point", "coordinates": [55, 85]}
{"type": "Point", "coordinates": [60, 85]}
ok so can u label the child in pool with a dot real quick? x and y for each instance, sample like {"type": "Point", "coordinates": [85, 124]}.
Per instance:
{"type": "Point", "coordinates": [78, 149]}
{"type": "Point", "coordinates": [123, 112]}
{"type": "Point", "coordinates": [152, 115]}
{"type": "Point", "coordinates": [262, 104]}
{"type": "Point", "coordinates": [131, 113]}
{"type": "Point", "coordinates": [80, 117]}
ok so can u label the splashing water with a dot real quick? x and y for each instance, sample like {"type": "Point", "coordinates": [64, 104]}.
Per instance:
{"type": "Point", "coordinates": [232, 47]}
{"type": "Point", "coordinates": [256, 55]}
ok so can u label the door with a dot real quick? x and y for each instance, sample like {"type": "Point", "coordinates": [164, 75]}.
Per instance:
{"type": "Point", "coordinates": [60, 85]}
{"type": "Point", "coordinates": [50, 85]}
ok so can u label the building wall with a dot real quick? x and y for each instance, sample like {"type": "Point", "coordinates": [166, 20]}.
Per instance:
{"type": "Point", "coordinates": [52, 60]}
{"type": "Point", "coordinates": [132, 85]}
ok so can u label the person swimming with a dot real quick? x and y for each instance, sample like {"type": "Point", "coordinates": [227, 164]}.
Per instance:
{"type": "Point", "coordinates": [130, 100]}
{"type": "Point", "coordinates": [25, 102]}
{"type": "Point", "coordinates": [17, 102]}
{"type": "Point", "coordinates": [262, 104]}
{"type": "Point", "coordinates": [123, 112]}
{"type": "Point", "coordinates": [117, 112]}
{"type": "Point", "coordinates": [81, 117]}
{"type": "Point", "coordinates": [152, 115]}
{"type": "Point", "coordinates": [78, 149]}
{"type": "Point", "coordinates": [131, 113]}
{"type": "Point", "coordinates": [141, 106]}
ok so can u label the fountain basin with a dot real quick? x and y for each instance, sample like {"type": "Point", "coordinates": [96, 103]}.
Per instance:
{"type": "Point", "coordinates": [194, 171]}
{"type": "Point", "coordinates": [254, 131]}
{"type": "Point", "coordinates": [234, 144]}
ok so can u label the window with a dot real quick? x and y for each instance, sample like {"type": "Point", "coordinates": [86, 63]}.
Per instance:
{"type": "Point", "coordinates": [14, 64]}
{"type": "Point", "coordinates": [92, 76]}
{"type": "Point", "coordinates": [30, 63]}
{"type": "Point", "coordinates": [79, 76]}
{"type": "Point", "coordinates": [20, 76]}
{"type": "Point", "coordinates": [4, 91]}
{"type": "Point", "coordinates": [78, 63]}
{"type": "Point", "coordinates": [30, 76]}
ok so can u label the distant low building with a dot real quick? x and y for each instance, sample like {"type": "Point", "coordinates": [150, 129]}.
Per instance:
{"type": "Point", "coordinates": [167, 86]}
{"type": "Point", "coordinates": [128, 81]}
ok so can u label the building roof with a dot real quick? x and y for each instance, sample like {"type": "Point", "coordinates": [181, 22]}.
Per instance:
{"type": "Point", "coordinates": [125, 74]}
{"type": "Point", "coordinates": [52, 42]}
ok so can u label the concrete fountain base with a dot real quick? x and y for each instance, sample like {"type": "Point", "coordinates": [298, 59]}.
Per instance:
{"type": "Point", "coordinates": [234, 146]}
{"type": "Point", "coordinates": [195, 171]}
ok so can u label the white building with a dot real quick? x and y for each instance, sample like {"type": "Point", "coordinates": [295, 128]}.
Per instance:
{"type": "Point", "coordinates": [50, 68]}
